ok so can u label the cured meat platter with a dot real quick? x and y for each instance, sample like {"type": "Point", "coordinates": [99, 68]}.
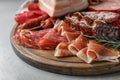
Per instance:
{"type": "Point", "coordinates": [44, 59]}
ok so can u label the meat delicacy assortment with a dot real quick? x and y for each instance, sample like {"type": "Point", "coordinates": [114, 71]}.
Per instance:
{"type": "Point", "coordinates": [92, 34]}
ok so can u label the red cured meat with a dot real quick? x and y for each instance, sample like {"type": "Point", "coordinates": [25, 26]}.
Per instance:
{"type": "Point", "coordinates": [28, 15]}
{"type": "Point", "coordinates": [33, 6]}
{"type": "Point", "coordinates": [29, 38]}
{"type": "Point", "coordinates": [106, 5]}
{"type": "Point", "coordinates": [78, 44]}
{"type": "Point", "coordinates": [105, 16]}
{"type": "Point", "coordinates": [62, 50]}
{"type": "Point", "coordinates": [97, 52]}
{"type": "Point", "coordinates": [51, 40]}
{"type": "Point", "coordinates": [66, 31]}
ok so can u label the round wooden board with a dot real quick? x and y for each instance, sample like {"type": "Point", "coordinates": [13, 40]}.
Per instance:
{"type": "Point", "coordinates": [45, 60]}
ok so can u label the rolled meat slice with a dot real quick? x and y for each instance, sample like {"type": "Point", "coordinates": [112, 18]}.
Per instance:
{"type": "Point", "coordinates": [98, 52]}
{"type": "Point", "coordinates": [62, 50]}
{"type": "Point", "coordinates": [78, 44]}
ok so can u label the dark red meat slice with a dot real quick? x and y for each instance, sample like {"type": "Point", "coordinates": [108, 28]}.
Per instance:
{"type": "Point", "coordinates": [28, 15]}
{"type": "Point", "coordinates": [51, 40]}
{"type": "Point", "coordinates": [106, 16]}
{"type": "Point", "coordinates": [106, 5]}
{"type": "Point", "coordinates": [29, 38]}
{"type": "Point", "coordinates": [33, 6]}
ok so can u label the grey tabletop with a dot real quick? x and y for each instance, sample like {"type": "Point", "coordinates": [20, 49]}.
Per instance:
{"type": "Point", "coordinates": [12, 67]}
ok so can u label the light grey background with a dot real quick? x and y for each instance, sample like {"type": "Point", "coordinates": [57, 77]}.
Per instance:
{"type": "Point", "coordinates": [12, 67]}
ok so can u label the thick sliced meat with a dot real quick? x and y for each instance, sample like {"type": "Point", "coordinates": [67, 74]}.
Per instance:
{"type": "Point", "coordinates": [107, 5]}
{"type": "Point", "coordinates": [105, 16]}
{"type": "Point", "coordinates": [61, 7]}
{"type": "Point", "coordinates": [78, 44]}
{"type": "Point", "coordinates": [51, 40]}
{"type": "Point", "coordinates": [62, 50]}
{"type": "Point", "coordinates": [98, 52]}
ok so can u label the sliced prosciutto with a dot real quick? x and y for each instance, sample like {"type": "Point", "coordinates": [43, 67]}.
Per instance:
{"type": "Point", "coordinates": [78, 44]}
{"type": "Point", "coordinates": [62, 50]}
{"type": "Point", "coordinates": [97, 52]}
{"type": "Point", "coordinates": [43, 39]}
{"type": "Point", "coordinates": [66, 30]}
{"type": "Point", "coordinates": [51, 40]}
{"type": "Point", "coordinates": [106, 5]}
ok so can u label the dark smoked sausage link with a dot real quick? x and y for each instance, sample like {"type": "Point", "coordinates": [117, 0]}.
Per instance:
{"type": "Point", "coordinates": [34, 22]}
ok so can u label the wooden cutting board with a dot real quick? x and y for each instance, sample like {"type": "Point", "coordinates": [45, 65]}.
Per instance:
{"type": "Point", "coordinates": [45, 60]}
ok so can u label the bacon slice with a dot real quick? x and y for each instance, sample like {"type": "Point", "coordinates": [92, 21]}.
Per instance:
{"type": "Point", "coordinates": [57, 8]}
{"type": "Point", "coordinates": [51, 40]}
{"type": "Point", "coordinates": [78, 44]}
{"type": "Point", "coordinates": [62, 50]}
{"type": "Point", "coordinates": [98, 52]}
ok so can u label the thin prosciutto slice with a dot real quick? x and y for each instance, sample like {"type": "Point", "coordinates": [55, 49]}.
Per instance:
{"type": "Point", "coordinates": [71, 35]}
{"type": "Point", "coordinates": [51, 40]}
{"type": "Point", "coordinates": [78, 44]}
{"type": "Point", "coordinates": [66, 31]}
{"type": "Point", "coordinates": [62, 50]}
{"type": "Point", "coordinates": [98, 52]}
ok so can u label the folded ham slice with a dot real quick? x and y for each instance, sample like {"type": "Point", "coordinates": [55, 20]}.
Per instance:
{"type": "Point", "coordinates": [62, 50]}
{"type": "Point", "coordinates": [78, 44]}
{"type": "Point", "coordinates": [98, 52]}
{"type": "Point", "coordinates": [60, 7]}
{"type": "Point", "coordinates": [66, 31]}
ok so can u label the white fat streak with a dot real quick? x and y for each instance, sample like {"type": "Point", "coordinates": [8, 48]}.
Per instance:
{"type": "Point", "coordinates": [72, 50]}
{"type": "Point", "coordinates": [58, 24]}
{"type": "Point", "coordinates": [57, 50]}
{"type": "Point", "coordinates": [82, 57]}
{"type": "Point", "coordinates": [47, 6]}
{"type": "Point", "coordinates": [104, 58]}
{"type": "Point", "coordinates": [88, 59]}
{"type": "Point", "coordinates": [22, 31]}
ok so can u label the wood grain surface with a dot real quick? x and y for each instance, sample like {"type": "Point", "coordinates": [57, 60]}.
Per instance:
{"type": "Point", "coordinates": [45, 60]}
